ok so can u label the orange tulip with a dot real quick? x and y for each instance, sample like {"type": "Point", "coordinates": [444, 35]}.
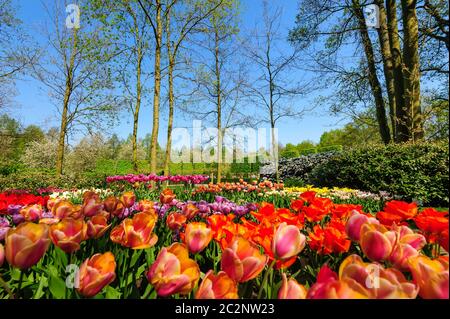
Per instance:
{"type": "Point", "coordinates": [97, 226]}
{"type": "Point", "coordinates": [147, 206]}
{"type": "Point", "coordinates": [175, 220]}
{"type": "Point", "coordinates": [329, 286]}
{"type": "Point", "coordinates": [63, 208]}
{"type": "Point", "coordinates": [242, 261]}
{"type": "Point", "coordinates": [431, 275]}
{"type": "Point", "coordinates": [2, 255]}
{"type": "Point", "coordinates": [68, 234]}
{"type": "Point", "coordinates": [403, 209]}
{"type": "Point", "coordinates": [190, 210]}
{"type": "Point", "coordinates": [173, 272]}
{"type": "Point", "coordinates": [128, 199]}
{"type": "Point", "coordinates": [167, 196]}
{"type": "Point", "coordinates": [197, 236]}
{"type": "Point", "coordinates": [287, 241]}
{"type": "Point", "coordinates": [136, 232]}
{"type": "Point", "coordinates": [113, 206]}
{"type": "Point", "coordinates": [218, 286]}
{"type": "Point", "coordinates": [32, 213]}
{"type": "Point", "coordinates": [291, 289]}
{"type": "Point", "coordinates": [26, 244]}
{"type": "Point", "coordinates": [379, 282]}
{"type": "Point", "coordinates": [95, 273]}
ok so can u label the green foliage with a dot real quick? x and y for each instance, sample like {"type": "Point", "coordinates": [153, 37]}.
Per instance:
{"type": "Point", "coordinates": [413, 171]}
{"type": "Point", "coordinates": [294, 182]}
{"type": "Point", "coordinates": [29, 180]}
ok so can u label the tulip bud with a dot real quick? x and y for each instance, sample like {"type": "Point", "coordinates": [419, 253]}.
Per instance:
{"type": "Point", "coordinates": [287, 241]}
{"type": "Point", "coordinates": [197, 236]}
{"type": "Point", "coordinates": [355, 222]}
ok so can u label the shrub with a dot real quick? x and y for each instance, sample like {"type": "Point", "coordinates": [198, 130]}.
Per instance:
{"type": "Point", "coordinates": [412, 171]}
{"type": "Point", "coordinates": [34, 180]}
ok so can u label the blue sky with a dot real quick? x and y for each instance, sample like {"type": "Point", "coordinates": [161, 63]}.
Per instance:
{"type": "Point", "coordinates": [33, 105]}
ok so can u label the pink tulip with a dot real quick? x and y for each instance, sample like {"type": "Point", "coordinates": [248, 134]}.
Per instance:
{"type": "Point", "coordinates": [32, 213]}
{"type": "Point", "coordinates": [173, 272]}
{"type": "Point", "coordinates": [377, 242]}
{"type": "Point", "coordinates": [287, 241]}
{"type": "Point", "coordinates": [355, 222]}
{"type": "Point", "coordinates": [291, 289]}
{"type": "Point", "coordinates": [197, 236]}
{"type": "Point", "coordinates": [380, 283]}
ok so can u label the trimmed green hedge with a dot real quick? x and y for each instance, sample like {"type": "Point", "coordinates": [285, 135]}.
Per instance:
{"type": "Point", "coordinates": [35, 180]}
{"type": "Point", "coordinates": [413, 171]}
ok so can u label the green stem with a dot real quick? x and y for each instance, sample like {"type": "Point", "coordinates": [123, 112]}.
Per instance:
{"type": "Point", "coordinates": [19, 287]}
{"type": "Point", "coordinates": [266, 275]}
{"type": "Point", "coordinates": [6, 287]}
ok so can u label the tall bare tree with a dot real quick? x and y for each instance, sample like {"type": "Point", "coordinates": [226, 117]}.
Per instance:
{"type": "Point", "coordinates": [274, 89]}
{"type": "Point", "coordinates": [76, 74]}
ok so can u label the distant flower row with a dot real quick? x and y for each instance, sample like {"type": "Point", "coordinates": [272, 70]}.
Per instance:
{"type": "Point", "coordinates": [142, 178]}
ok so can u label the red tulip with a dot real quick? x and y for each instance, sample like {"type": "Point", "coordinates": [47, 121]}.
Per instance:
{"type": "Point", "coordinates": [218, 286]}
{"type": "Point", "coordinates": [26, 244]}
{"type": "Point", "coordinates": [95, 273]}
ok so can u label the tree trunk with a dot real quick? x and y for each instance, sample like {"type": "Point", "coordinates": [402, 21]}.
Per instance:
{"type": "Point", "coordinates": [219, 107]}
{"type": "Point", "coordinates": [388, 65]}
{"type": "Point", "coordinates": [137, 108]}
{"type": "Point", "coordinates": [401, 116]}
{"type": "Point", "coordinates": [157, 89]}
{"type": "Point", "coordinates": [373, 78]}
{"type": "Point", "coordinates": [411, 69]}
{"type": "Point", "coordinates": [171, 57]}
{"type": "Point", "coordinates": [65, 110]}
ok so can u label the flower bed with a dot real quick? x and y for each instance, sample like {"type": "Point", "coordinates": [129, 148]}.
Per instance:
{"type": "Point", "coordinates": [127, 247]}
